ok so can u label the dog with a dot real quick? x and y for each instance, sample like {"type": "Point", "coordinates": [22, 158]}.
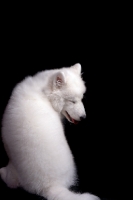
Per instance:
{"type": "Point", "coordinates": [40, 160]}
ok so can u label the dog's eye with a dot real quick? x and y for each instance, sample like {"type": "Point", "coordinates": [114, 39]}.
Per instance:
{"type": "Point", "coordinates": [72, 101]}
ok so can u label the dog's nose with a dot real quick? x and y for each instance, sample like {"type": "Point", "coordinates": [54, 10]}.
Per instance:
{"type": "Point", "coordinates": [82, 117]}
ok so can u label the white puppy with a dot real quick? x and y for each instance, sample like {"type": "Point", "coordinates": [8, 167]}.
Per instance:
{"type": "Point", "coordinates": [40, 160]}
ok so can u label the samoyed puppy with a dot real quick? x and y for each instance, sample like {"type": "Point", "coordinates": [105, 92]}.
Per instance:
{"type": "Point", "coordinates": [40, 160]}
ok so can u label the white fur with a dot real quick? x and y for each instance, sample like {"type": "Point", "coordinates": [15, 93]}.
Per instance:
{"type": "Point", "coordinates": [40, 159]}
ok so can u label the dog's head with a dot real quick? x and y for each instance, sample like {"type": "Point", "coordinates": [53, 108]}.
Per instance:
{"type": "Point", "coordinates": [67, 92]}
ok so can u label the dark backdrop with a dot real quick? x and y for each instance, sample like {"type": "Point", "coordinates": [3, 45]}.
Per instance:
{"type": "Point", "coordinates": [96, 142]}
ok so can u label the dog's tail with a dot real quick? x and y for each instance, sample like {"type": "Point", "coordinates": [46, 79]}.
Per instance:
{"type": "Point", "coordinates": [62, 193]}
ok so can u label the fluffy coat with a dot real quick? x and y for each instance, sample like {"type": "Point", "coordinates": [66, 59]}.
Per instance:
{"type": "Point", "coordinates": [40, 160]}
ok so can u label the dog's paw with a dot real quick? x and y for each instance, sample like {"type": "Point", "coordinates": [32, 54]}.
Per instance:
{"type": "Point", "coordinates": [88, 196]}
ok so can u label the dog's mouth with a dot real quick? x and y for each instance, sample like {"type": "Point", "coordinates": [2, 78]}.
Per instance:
{"type": "Point", "coordinates": [70, 119]}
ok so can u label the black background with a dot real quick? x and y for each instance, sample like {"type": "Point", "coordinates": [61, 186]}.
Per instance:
{"type": "Point", "coordinates": [31, 43]}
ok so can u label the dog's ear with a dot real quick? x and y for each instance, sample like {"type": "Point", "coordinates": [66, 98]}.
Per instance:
{"type": "Point", "coordinates": [59, 80]}
{"type": "Point", "coordinates": [77, 68]}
